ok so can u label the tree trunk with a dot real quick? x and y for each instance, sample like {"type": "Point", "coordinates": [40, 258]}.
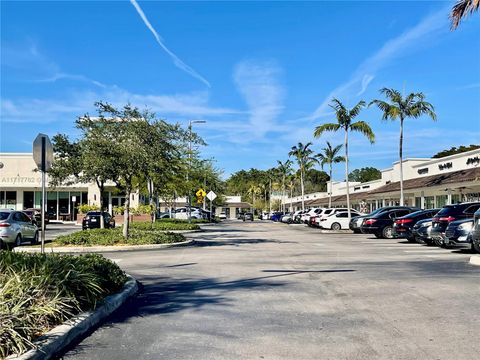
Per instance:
{"type": "Point", "coordinates": [126, 214]}
{"type": "Point", "coordinates": [346, 175]}
{"type": "Point", "coordinates": [283, 193]}
{"type": "Point", "coordinates": [330, 193]}
{"type": "Point", "coordinates": [401, 162]}
{"type": "Point", "coordinates": [301, 184]}
{"type": "Point", "coordinates": [101, 189]}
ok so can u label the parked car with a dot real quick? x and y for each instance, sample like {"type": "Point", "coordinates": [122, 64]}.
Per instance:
{"type": "Point", "coordinates": [248, 216]}
{"type": "Point", "coordinates": [182, 213]}
{"type": "Point", "coordinates": [381, 224]}
{"type": "Point", "coordinates": [163, 215]}
{"type": "Point", "coordinates": [329, 211]}
{"type": "Point", "coordinates": [277, 216]}
{"type": "Point", "coordinates": [459, 233]}
{"type": "Point", "coordinates": [287, 218]}
{"type": "Point", "coordinates": [448, 214]}
{"type": "Point", "coordinates": [297, 215]}
{"type": "Point", "coordinates": [421, 231]}
{"type": "Point", "coordinates": [92, 220]}
{"type": "Point", "coordinates": [403, 226]}
{"type": "Point", "coordinates": [264, 216]}
{"type": "Point", "coordinates": [223, 215]}
{"type": "Point", "coordinates": [476, 231]}
{"type": "Point", "coordinates": [357, 222]}
{"type": "Point", "coordinates": [337, 220]}
{"type": "Point", "coordinates": [16, 226]}
{"type": "Point", "coordinates": [36, 213]}
{"type": "Point", "coordinates": [305, 218]}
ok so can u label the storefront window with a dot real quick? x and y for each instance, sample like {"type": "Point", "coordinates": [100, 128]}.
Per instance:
{"type": "Point", "coordinates": [429, 202]}
{"type": "Point", "coordinates": [456, 198]}
{"type": "Point", "coordinates": [28, 197]}
{"type": "Point", "coordinates": [11, 199]}
{"type": "Point", "coordinates": [441, 201]}
{"type": "Point", "coordinates": [418, 202]}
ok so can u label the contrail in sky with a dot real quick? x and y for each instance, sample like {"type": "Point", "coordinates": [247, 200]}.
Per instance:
{"type": "Point", "coordinates": [178, 63]}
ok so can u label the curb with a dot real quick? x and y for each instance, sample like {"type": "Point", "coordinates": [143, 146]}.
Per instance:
{"type": "Point", "coordinates": [475, 260]}
{"type": "Point", "coordinates": [57, 339]}
{"type": "Point", "coordinates": [100, 249]}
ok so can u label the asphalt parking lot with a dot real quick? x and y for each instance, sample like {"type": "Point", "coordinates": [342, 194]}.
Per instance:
{"type": "Point", "coordinates": [265, 290]}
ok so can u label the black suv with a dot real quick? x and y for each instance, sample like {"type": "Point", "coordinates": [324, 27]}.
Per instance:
{"type": "Point", "coordinates": [448, 214]}
{"type": "Point", "coordinates": [403, 226]}
{"type": "Point", "coordinates": [92, 220]}
{"type": "Point", "coordinates": [381, 224]}
{"type": "Point", "coordinates": [357, 221]}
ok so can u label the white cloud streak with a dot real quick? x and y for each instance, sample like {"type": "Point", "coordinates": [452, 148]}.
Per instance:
{"type": "Point", "coordinates": [258, 82]}
{"type": "Point", "coordinates": [177, 62]}
{"type": "Point", "coordinates": [412, 39]}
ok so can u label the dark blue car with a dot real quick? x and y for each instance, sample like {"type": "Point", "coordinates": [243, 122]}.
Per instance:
{"type": "Point", "coordinates": [276, 216]}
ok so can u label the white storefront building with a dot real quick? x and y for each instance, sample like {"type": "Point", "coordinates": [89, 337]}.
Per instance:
{"type": "Point", "coordinates": [21, 188]}
{"type": "Point", "coordinates": [427, 183]}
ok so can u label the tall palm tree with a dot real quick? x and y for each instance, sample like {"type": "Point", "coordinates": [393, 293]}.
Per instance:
{"type": "Point", "coordinates": [284, 169]}
{"type": "Point", "coordinates": [330, 156]}
{"type": "Point", "coordinates": [291, 180]}
{"type": "Point", "coordinates": [253, 190]}
{"type": "Point", "coordinates": [413, 105]}
{"type": "Point", "coordinates": [461, 9]}
{"type": "Point", "coordinates": [344, 122]}
{"type": "Point", "coordinates": [305, 159]}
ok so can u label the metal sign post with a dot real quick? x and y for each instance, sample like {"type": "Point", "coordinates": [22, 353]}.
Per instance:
{"type": "Point", "coordinates": [43, 156]}
{"type": "Point", "coordinates": [211, 196]}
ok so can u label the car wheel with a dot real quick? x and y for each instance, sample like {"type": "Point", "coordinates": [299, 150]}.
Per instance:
{"type": "Point", "coordinates": [411, 239]}
{"type": "Point", "coordinates": [387, 232]}
{"type": "Point", "coordinates": [18, 240]}
{"type": "Point", "coordinates": [438, 242]}
{"type": "Point", "coordinates": [476, 245]}
{"type": "Point", "coordinates": [336, 226]}
{"type": "Point", "coordinates": [35, 238]}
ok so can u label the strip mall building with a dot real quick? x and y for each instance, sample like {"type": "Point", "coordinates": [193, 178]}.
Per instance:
{"type": "Point", "coordinates": [427, 184]}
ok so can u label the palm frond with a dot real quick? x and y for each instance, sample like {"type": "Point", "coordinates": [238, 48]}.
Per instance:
{"type": "Point", "coordinates": [319, 130]}
{"type": "Point", "coordinates": [363, 128]}
{"type": "Point", "coordinates": [461, 9]}
{"type": "Point", "coordinates": [356, 109]}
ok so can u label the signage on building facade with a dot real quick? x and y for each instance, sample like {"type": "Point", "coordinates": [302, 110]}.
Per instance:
{"type": "Point", "coordinates": [447, 165]}
{"type": "Point", "coordinates": [473, 160]}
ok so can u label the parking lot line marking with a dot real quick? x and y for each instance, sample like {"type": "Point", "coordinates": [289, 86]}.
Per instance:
{"type": "Point", "coordinates": [116, 260]}
{"type": "Point", "coordinates": [426, 251]}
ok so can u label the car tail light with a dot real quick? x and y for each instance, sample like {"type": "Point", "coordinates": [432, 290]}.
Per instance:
{"type": "Point", "coordinates": [435, 219]}
{"type": "Point", "coordinates": [448, 218]}
{"type": "Point", "coordinates": [403, 221]}
{"type": "Point", "coordinates": [369, 221]}
{"type": "Point", "coordinates": [4, 224]}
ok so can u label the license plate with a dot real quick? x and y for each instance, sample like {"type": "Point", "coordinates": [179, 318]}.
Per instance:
{"type": "Point", "coordinates": [94, 220]}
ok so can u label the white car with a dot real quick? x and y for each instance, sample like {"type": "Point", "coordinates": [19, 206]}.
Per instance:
{"type": "Point", "coordinates": [287, 218]}
{"type": "Point", "coordinates": [222, 216]}
{"type": "Point", "coordinates": [312, 212]}
{"type": "Point", "coordinates": [182, 213]}
{"type": "Point", "coordinates": [337, 220]}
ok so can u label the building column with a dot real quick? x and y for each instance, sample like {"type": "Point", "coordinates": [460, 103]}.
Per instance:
{"type": "Point", "coordinates": [422, 200]}
{"type": "Point", "coordinates": [449, 196]}
{"type": "Point", "coordinates": [110, 207]}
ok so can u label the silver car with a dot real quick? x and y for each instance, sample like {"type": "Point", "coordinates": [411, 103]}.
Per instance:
{"type": "Point", "coordinates": [15, 226]}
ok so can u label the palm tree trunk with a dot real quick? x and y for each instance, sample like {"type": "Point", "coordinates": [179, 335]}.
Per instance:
{"type": "Point", "coordinates": [301, 184]}
{"type": "Point", "coordinates": [330, 193]}
{"type": "Point", "coordinates": [346, 175]}
{"type": "Point", "coordinates": [401, 161]}
{"type": "Point", "coordinates": [283, 193]}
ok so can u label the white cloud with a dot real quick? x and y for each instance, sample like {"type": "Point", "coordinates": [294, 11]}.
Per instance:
{"type": "Point", "coordinates": [178, 63]}
{"type": "Point", "coordinates": [258, 82]}
{"type": "Point", "coordinates": [411, 39]}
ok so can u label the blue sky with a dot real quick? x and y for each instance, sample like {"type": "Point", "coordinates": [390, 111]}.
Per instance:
{"type": "Point", "coordinates": [260, 73]}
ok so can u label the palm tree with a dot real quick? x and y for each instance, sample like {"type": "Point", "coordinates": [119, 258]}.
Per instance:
{"type": "Point", "coordinates": [461, 9]}
{"type": "Point", "coordinates": [284, 169]}
{"type": "Point", "coordinates": [291, 179]}
{"type": "Point", "coordinates": [305, 160]}
{"type": "Point", "coordinates": [330, 157]}
{"type": "Point", "coordinates": [253, 190]}
{"type": "Point", "coordinates": [413, 105]}
{"type": "Point", "coordinates": [344, 121]}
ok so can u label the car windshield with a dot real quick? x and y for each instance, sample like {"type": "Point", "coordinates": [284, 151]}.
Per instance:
{"type": "Point", "coordinates": [447, 210]}
{"type": "Point", "coordinates": [4, 215]}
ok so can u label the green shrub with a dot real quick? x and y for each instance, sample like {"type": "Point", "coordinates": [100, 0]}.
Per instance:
{"type": "Point", "coordinates": [39, 291]}
{"type": "Point", "coordinates": [183, 221]}
{"type": "Point", "coordinates": [164, 225]}
{"type": "Point", "coordinates": [109, 237]}
{"type": "Point", "coordinates": [84, 208]}
{"type": "Point", "coordinates": [143, 209]}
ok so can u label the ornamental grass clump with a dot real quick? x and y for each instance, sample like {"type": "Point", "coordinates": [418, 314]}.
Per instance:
{"type": "Point", "coordinates": [39, 291]}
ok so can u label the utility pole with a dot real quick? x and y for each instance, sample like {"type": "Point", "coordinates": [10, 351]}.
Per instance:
{"type": "Point", "coordinates": [189, 208]}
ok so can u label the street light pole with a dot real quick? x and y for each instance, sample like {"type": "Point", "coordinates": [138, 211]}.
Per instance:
{"type": "Point", "coordinates": [189, 209]}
